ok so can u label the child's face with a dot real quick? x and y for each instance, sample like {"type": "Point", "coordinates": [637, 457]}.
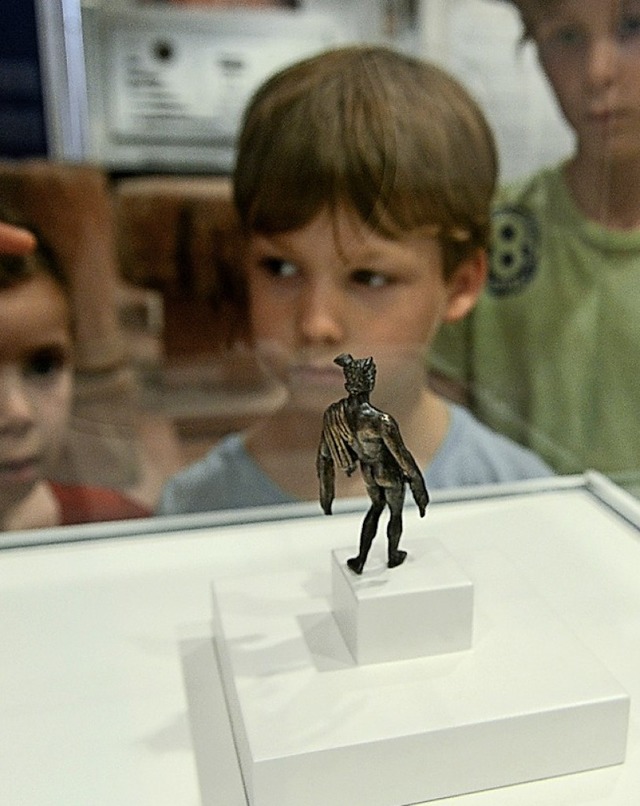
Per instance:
{"type": "Point", "coordinates": [590, 51]}
{"type": "Point", "coordinates": [335, 286]}
{"type": "Point", "coordinates": [35, 383]}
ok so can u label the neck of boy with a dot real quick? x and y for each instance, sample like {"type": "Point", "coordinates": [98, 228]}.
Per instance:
{"type": "Point", "coordinates": [606, 192]}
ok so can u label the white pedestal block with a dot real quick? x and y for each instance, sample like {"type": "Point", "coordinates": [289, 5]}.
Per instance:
{"type": "Point", "coordinates": [313, 728]}
{"type": "Point", "coordinates": [422, 607]}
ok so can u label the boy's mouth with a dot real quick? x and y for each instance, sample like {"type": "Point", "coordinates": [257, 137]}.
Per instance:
{"type": "Point", "coordinates": [20, 470]}
{"type": "Point", "coordinates": [606, 116]}
{"type": "Point", "coordinates": [320, 374]}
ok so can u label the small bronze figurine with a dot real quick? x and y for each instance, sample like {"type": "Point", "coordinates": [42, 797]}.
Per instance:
{"type": "Point", "coordinates": [356, 433]}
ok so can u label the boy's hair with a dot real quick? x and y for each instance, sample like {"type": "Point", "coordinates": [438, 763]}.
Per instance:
{"type": "Point", "coordinates": [16, 269]}
{"type": "Point", "coordinates": [530, 11]}
{"type": "Point", "coordinates": [393, 137]}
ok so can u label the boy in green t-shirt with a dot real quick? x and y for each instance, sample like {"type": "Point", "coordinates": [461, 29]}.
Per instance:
{"type": "Point", "coordinates": [549, 354]}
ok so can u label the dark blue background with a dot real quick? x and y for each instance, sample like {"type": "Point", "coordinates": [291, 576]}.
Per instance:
{"type": "Point", "coordinates": [22, 130]}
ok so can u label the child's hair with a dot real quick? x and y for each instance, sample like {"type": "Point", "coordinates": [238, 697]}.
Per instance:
{"type": "Point", "coordinates": [530, 11]}
{"type": "Point", "coordinates": [15, 269]}
{"type": "Point", "coordinates": [393, 137]}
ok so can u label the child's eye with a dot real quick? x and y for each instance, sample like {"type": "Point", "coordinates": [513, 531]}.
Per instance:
{"type": "Point", "coordinates": [567, 36]}
{"type": "Point", "coordinates": [279, 268]}
{"type": "Point", "coordinates": [629, 26]}
{"type": "Point", "coordinates": [370, 278]}
{"type": "Point", "coordinates": [559, 36]}
{"type": "Point", "coordinates": [44, 363]}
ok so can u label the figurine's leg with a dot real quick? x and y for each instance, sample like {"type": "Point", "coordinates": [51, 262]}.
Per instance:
{"type": "Point", "coordinates": [369, 529]}
{"type": "Point", "coordinates": [395, 499]}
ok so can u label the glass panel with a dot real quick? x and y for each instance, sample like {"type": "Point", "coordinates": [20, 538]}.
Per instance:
{"type": "Point", "coordinates": [144, 103]}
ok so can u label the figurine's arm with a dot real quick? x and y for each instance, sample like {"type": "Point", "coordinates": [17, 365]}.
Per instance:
{"type": "Point", "coordinates": [326, 475]}
{"type": "Point", "coordinates": [393, 440]}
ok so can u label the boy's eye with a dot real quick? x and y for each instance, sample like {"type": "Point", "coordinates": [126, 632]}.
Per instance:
{"type": "Point", "coordinates": [370, 278]}
{"type": "Point", "coordinates": [45, 362]}
{"type": "Point", "coordinates": [567, 36]}
{"type": "Point", "coordinates": [629, 26]}
{"type": "Point", "coordinates": [279, 268]}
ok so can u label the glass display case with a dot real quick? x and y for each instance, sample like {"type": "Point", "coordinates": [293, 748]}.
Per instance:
{"type": "Point", "coordinates": [174, 658]}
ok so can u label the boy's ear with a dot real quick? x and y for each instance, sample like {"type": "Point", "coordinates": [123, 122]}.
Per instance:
{"type": "Point", "coordinates": [465, 286]}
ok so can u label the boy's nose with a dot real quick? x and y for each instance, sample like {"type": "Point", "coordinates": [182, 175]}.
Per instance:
{"type": "Point", "coordinates": [602, 62]}
{"type": "Point", "coordinates": [15, 405]}
{"type": "Point", "coordinates": [321, 315]}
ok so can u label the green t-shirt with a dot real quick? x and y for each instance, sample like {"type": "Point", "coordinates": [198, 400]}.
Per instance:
{"type": "Point", "coordinates": [551, 352]}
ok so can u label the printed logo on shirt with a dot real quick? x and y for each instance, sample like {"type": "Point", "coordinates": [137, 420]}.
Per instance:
{"type": "Point", "coordinates": [514, 251]}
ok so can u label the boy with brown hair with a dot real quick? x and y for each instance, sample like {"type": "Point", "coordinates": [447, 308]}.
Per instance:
{"type": "Point", "coordinates": [363, 181]}
{"type": "Point", "coordinates": [549, 356]}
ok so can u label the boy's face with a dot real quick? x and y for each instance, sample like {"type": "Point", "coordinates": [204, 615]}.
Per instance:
{"type": "Point", "coordinates": [35, 383]}
{"type": "Point", "coordinates": [334, 286]}
{"type": "Point", "coordinates": [590, 51]}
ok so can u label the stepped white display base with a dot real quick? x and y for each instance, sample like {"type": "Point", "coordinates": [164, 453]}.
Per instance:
{"type": "Point", "coordinates": [312, 727]}
{"type": "Point", "coordinates": [422, 607]}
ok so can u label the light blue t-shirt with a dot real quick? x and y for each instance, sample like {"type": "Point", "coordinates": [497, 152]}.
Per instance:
{"type": "Point", "coordinates": [228, 478]}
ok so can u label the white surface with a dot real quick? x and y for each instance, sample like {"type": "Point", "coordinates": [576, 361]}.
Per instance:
{"type": "Point", "coordinates": [313, 727]}
{"type": "Point", "coordinates": [422, 607]}
{"type": "Point", "coordinates": [93, 706]}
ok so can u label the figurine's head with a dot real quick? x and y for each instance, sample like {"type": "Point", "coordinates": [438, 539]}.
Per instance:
{"type": "Point", "coordinates": [391, 137]}
{"type": "Point", "coordinates": [359, 373]}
